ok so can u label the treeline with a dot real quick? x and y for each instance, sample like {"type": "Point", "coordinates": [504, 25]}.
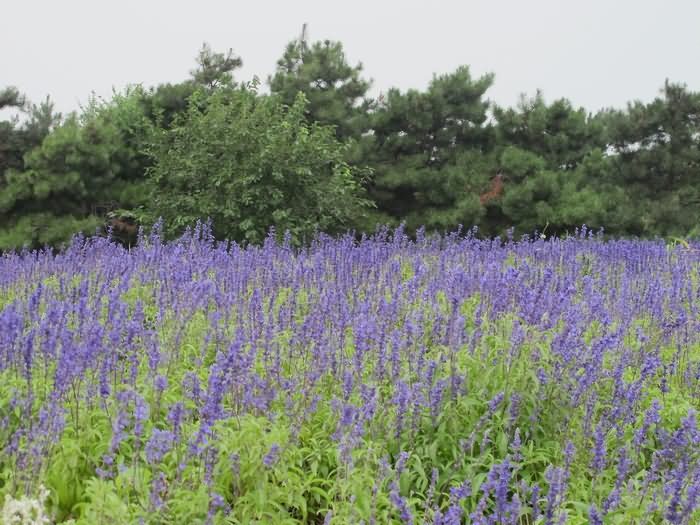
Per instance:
{"type": "Point", "coordinates": [317, 153]}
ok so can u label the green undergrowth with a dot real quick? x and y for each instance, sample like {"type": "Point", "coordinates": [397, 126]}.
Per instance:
{"type": "Point", "coordinates": [310, 476]}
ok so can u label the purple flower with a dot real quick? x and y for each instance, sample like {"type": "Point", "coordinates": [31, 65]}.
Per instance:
{"type": "Point", "coordinates": [272, 456]}
{"type": "Point", "coordinates": [141, 412]}
{"type": "Point", "coordinates": [159, 488]}
{"type": "Point", "coordinates": [401, 504]}
{"type": "Point", "coordinates": [158, 445]}
{"type": "Point", "coordinates": [160, 383]}
{"type": "Point", "coordinates": [599, 451]}
{"type": "Point", "coordinates": [401, 462]}
{"type": "Point", "coordinates": [595, 516]}
{"type": "Point", "coordinates": [495, 402]}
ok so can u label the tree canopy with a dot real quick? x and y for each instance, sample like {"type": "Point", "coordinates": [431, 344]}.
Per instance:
{"type": "Point", "coordinates": [249, 163]}
{"type": "Point", "coordinates": [319, 153]}
{"type": "Point", "coordinates": [335, 90]}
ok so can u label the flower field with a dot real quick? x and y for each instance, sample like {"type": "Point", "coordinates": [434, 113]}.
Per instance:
{"type": "Point", "coordinates": [438, 380]}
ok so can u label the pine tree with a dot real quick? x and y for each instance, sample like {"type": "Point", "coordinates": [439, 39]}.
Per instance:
{"type": "Point", "coordinates": [655, 157]}
{"type": "Point", "coordinates": [429, 152]}
{"type": "Point", "coordinates": [215, 69]}
{"type": "Point", "coordinates": [335, 90]}
{"type": "Point", "coordinates": [11, 97]}
{"type": "Point", "coordinates": [557, 132]}
{"type": "Point", "coordinates": [89, 163]}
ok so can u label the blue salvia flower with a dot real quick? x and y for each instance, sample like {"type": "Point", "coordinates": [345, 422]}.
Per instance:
{"type": "Point", "coordinates": [159, 487]}
{"type": "Point", "coordinates": [272, 456]}
{"type": "Point", "coordinates": [216, 503]}
{"type": "Point", "coordinates": [401, 401]}
{"type": "Point", "coordinates": [401, 504]}
{"type": "Point", "coordinates": [595, 516]}
{"type": "Point", "coordinates": [495, 402]}
{"type": "Point", "coordinates": [599, 460]}
{"type": "Point", "coordinates": [514, 409]}
{"type": "Point", "coordinates": [141, 413]}
{"type": "Point", "coordinates": [431, 490]}
{"type": "Point", "coordinates": [516, 446]}
{"type": "Point", "coordinates": [175, 418]}
{"type": "Point", "coordinates": [651, 417]}
{"type": "Point", "coordinates": [158, 445]}
{"type": "Point", "coordinates": [90, 344]}
{"type": "Point", "coordinates": [692, 496]}
{"type": "Point", "coordinates": [453, 515]}
{"type": "Point", "coordinates": [555, 477]}
{"type": "Point", "coordinates": [160, 383]}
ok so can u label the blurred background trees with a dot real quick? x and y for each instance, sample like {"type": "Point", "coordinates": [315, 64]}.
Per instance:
{"type": "Point", "coordinates": [317, 152]}
{"type": "Point", "coordinates": [431, 153]}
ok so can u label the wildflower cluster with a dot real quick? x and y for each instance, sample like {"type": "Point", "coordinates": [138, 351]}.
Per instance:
{"type": "Point", "coordinates": [439, 380]}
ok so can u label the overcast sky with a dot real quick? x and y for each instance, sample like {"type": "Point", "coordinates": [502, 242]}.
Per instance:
{"type": "Point", "coordinates": [597, 53]}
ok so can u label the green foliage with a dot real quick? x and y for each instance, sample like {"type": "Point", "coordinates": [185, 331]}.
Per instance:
{"type": "Point", "coordinates": [310, 477]}
{"type": "Point", "coordinates": [89, 164]}
{"type": "Point", "coordinates": [17, 139]}
{"type": "Point", "coordinates": [57, 180]}
{"type": "Point", "coordinates": [656, 157]}
{"type": "Point", "coordinates": [557, 133]}
{"type": "Point", "coordinates": [163, 103]}
{"type": "Point", "coordinates": [334, 89]}
{"type": "Point", "coordinates": [537, 197]}
{"type": "Point", "coordinates": [215, 69]}
{"type": "Point", "coordinates": [249, 163]}
{"type": "Point", "coordinates": [428, 152]}
{"type": "Point", "coordinates": [434, 158]}
{"type": "Point", "coordinates": [11, 97]}
{"type": "Point", "coordinates": [542, 150]}
{"type": "Point", "coordinates": [45, 229]}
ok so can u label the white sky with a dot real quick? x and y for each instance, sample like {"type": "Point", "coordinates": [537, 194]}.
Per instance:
{"type": "Point", "coordinates": [597, 53]}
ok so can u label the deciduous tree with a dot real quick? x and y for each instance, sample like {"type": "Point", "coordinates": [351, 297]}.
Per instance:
{"type": "Point", "coordinates": [248, 163]}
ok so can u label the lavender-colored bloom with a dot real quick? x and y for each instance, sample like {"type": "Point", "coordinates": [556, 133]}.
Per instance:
{"type": "Point", "coordinates": [431, 490]}
{"type": "Point", "coordinates": [514, 408]}
{"type": "Point", "coordinates": [119, 426]}
{"type": "Point", "coordinates": [595, 516]}
{"type": "Point", "coordinates": [436, 395]}
{"type": "Point", "coordinates": [401, 463]}
{"type": "Point", "coordinates": [651, 417]}
{"type": "Point", "coordinates": [401, 400]}
{"type": "Point", "coordinates": [160, 383]}
{"type": "Point", "coordinates": [158, 445]}
{"type": "Point", "coordinates": [599, 461]}
{"type": "Point", "coordinates": [159, 487]}
{"type": "Point", "coordinates": [272, 456]}
{"type": "Point", "coordinates": [347, 416]}
{"type": "Point", "coordinates": [461, 492]}
{"type": "Point", "coordinates": [555, 477]}
{"type": "Point", "coordinates": [401, 505]}
{"type": "Point", "coordinates": [141, 413]}
{"type": "Point", "coordinates": [218, 502]}
{"type": "Point", "coordinates": [495, 402]}
{"type": "Point", "coordinates": [692, 496]}
{"type": "Point", "coordinates": [175, 417]}
{"type": "Point", "coordinates": [516, 446]}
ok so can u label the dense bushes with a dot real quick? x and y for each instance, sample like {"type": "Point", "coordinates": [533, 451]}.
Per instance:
{"type": "Point", "coordinates": [249, 163]}
{"type": "Point", "coordinates": [218, 149]}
